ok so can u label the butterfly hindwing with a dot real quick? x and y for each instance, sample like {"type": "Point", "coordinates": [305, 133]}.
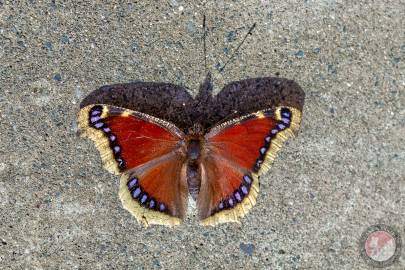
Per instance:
{"type": "Point", "coordinates": [237, 153]}
{"type": "Point", "coordinates": [147, 152]}
{"type": "Point", "coordinates": [157, 193]}
{"type": "Point", "coordinates": [227, 191]}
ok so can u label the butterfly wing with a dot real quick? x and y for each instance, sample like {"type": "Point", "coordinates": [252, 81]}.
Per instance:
{"type": "Point", "coordinates": [149, 154]}
{"type": "Point", "coordinates": [236, 153]}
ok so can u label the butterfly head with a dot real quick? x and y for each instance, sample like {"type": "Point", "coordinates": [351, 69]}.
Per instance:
{"type": "Point", "coordinates": [196, 130]}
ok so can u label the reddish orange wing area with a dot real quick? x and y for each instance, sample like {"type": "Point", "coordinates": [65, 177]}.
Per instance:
{"type": "Point", "coordinates": [157, 193]}
{"type": "Point", "coordinates": [236, 153]}
{"type": "Point", "coordinates": [140, 141]}
{"type": "Point", "coordinates": [224, 186]}
{"type": "Point", "coordinates": [241, 142]}
{"type": "Point", "coordinates": [127, 139]}
{"type": "Point", "coordinates": [144, 148]}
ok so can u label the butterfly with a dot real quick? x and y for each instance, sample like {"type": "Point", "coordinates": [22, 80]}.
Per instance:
{"type": "Point", "coordinates": [170, 148]}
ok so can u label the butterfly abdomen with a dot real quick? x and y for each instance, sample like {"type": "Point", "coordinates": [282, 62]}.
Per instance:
{"type": "Point", "coordinates": [193, 180]}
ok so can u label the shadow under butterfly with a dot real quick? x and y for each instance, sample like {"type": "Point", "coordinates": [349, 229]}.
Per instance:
{"type": "Point", "coordinates": [168, 146]}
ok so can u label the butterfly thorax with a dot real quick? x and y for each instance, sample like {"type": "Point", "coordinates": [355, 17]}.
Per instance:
{"type": "Point", "coordinates": [193, 150]}
{"type": "Point", "coordinates": [194, 141]}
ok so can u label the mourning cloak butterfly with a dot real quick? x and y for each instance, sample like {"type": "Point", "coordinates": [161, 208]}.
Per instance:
{"type": "Point", "coordinates": [168, 145]}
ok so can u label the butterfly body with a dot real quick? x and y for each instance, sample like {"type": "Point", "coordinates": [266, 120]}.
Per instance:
{"type": "Point", "coordinates": [167, 147]}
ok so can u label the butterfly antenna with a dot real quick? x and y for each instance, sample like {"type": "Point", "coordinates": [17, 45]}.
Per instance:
{"type": "Point", "coordinates": [205, 44]}
{"type": "Point", "coordinates": [237, 48]}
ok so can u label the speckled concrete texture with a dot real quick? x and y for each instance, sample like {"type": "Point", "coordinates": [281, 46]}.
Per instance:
{"type": "Point", "coordinates": [59, 209]}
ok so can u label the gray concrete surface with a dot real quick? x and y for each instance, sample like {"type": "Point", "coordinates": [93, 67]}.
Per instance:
{"type": "Point", "coordinates": [59, 209]}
